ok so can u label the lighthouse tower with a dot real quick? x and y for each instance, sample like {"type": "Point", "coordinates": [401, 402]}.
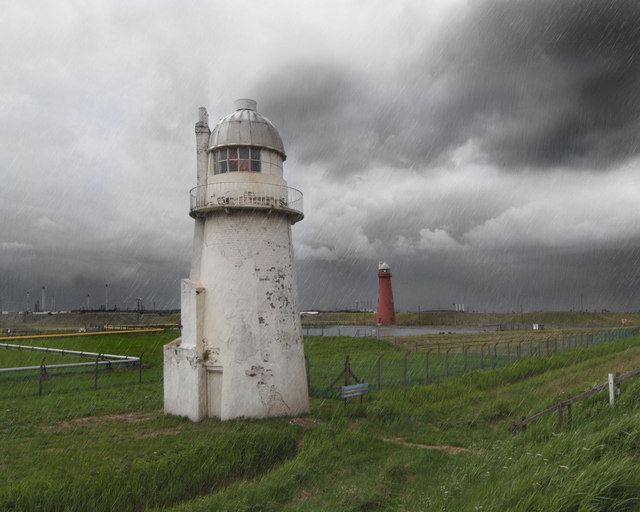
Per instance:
{"type": "Point", "coordinates": [386, 311]}
{"type": "Point", "coordinates": [241, 351]}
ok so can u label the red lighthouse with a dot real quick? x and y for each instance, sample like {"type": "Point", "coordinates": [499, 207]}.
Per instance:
{"type": "Point", "coordinates": [386, 311]}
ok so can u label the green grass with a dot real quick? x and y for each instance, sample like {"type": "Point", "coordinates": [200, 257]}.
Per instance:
{"type": "Point", "coordinates": [99, 467]}
{"type": "Point", "coordinates": [468, 319]}
{"type": "Point", "coordinates": [401, 368]}
{"type": "Point", "coordinates": [75, 448]}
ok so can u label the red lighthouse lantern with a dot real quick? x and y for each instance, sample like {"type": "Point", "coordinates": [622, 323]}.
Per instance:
{"type": "Point", "coordinates": [386, 311]}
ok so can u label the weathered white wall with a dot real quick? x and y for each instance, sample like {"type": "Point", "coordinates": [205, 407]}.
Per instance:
{"type": "Point", "coordinates": [252, 325]}
{"type": "Point", "coordinates": [241, 353]}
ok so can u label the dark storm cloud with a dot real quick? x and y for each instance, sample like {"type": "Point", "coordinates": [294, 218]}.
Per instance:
{"type": "Point", "coordinates": [535, 84]}
{"type": "Point", "coordinates": [319, 112]}
{"type": "Point", "coordinates": [557, 279]}
{"type": "Point", "coordinates": [78, 272]}
{"type": "Point", "coordinates": [415, 130]}
{"type": "Point", "coordinates": [562, 80]}
{"type": "Point", "coordinates": [331, 115]}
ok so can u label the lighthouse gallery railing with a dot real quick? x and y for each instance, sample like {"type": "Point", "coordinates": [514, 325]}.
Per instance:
{"type": "Point", "coordinates": [245, 194]}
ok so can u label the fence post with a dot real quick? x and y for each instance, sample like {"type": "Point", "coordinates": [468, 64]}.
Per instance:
{"type": "Point", "coordinates": [509, 352]}
{"type": "Point", "coordinates": [378, 365]}
{"type": "Point", "coordinates": [41, 376]}
{"type": "Point", "coordinates": [548, 353]}
{"type": "Point", "coordinates": [447, 362]}
{"type": "Point", "coordinates": [140, 368]}
{"type": "Point", "coordinates": [405, 368]}
{"type": "Point", "coordinates": [569, 418]}
{"type": "Point", "coordinates": [559, 413]}
{"type": "Point", "coordinates": [465, 350]}
{"type": "Point", "coordinates": [618, 383]}
{"type": "Point", "coordinates": [611, 389]}
{"type": "Point", "coordinates": [426, 367]}
{"type": "Point", "coordinates": [95, 373]}
{"type": "Point", "coordinates": [347, 371]}
{"type": "Point", "coordinates": [347, 375]}
{"type": "Point", "coordinates": [495, 355]}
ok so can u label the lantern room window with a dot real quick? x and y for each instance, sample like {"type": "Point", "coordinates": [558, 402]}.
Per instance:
{"type": "Point", "coordinates": [236, 159]}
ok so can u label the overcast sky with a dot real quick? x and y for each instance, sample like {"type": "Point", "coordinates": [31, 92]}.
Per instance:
{"type": "Point", "coordinates": [489, 151]}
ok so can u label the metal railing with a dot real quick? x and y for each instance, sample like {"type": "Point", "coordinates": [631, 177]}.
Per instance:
{"type": "Point", "coordinates": [240, 195]}
{"type": "Point", "coordinates": [102, 359]}
{"type": "Point", "coordinates": [98, 359]}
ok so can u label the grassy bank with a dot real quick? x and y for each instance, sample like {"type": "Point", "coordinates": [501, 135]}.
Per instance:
{"type": "Point", "coordinates": [439, 447]}
{"type": "Point", "coordinates": [494, 320]}
{"type": "Point", "coordinates": [84, 319]}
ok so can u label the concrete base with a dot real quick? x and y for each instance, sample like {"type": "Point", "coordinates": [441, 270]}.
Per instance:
{"type": "Point", "coordinates": [184, 382]}
{"type": "Point", "coordinates": [253, 368]}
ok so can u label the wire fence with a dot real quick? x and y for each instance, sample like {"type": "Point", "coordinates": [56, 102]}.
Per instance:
{"type": "Point", "coordinates": [45, 370]}
{"type": "Point", "coordinates": [438, 364]}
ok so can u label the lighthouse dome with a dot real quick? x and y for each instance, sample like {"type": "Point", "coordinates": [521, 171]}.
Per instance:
{"type": "Point", "coordinates": [246, 127]}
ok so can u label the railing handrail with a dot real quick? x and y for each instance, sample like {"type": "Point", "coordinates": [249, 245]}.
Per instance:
{"type": "Point", "coordinates": [572, 400]}
{"type": "Point", "coordinates": [246, 195]}
{"type": "Point", "coordinates": [65, 352]}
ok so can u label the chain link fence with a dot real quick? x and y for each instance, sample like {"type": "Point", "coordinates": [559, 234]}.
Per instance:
{"type": "Point", "coordinates": [437, 364]}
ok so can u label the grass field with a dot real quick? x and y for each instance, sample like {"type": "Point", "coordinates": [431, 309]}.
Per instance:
{"type": "Point", "coordinates": [75, 320]}
{"type": "Point", "coordinates": [474, 319]}
{"type": "Point", "coordinates": [437, 447]}
{"type": "Point", "coordinates": [404, 361]}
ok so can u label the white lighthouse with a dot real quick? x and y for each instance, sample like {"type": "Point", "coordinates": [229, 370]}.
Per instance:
{"type": "Point", "coordinates": [241, 351]}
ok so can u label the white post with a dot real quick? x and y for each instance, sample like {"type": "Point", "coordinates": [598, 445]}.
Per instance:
{"type": "Point", "coordinates": [611, 389]}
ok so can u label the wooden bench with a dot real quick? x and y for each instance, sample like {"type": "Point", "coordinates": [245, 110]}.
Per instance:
{"type": "Point", "coordinates": [355, 390]}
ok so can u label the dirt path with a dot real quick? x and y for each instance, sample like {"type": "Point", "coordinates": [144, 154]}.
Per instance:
{"type": "Point", "coordinates": [453, 450]}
